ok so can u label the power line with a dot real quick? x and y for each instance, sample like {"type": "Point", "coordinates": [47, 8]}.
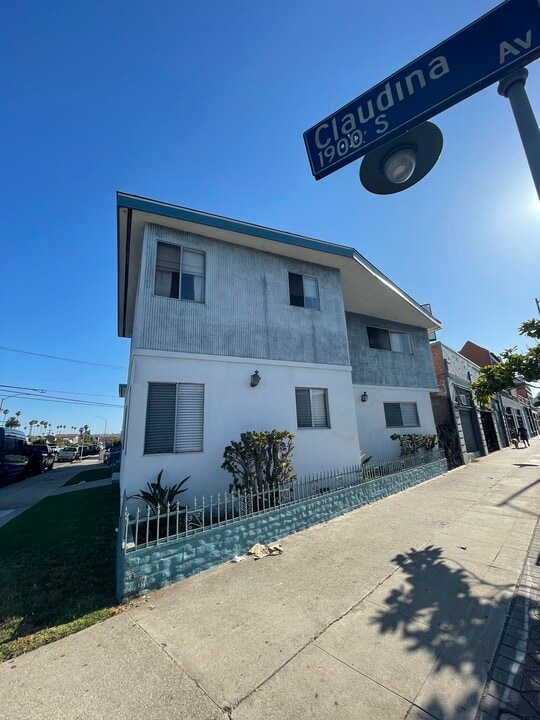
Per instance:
{"type": "Point", "coordinates": [19, 390]}
{"type": "Point", "coordinates": [57, 357]}
{"type": "Point", "coordinates": [67, 401]}
{"type": "Point", "coordinates": [19, 387]}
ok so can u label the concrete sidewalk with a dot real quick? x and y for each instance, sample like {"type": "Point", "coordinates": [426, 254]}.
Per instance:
{"type": "Point", "coordinates": [393, 611]}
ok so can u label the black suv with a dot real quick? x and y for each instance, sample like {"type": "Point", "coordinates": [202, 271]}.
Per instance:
{"type": "Point", "coordinates": [40, 458]}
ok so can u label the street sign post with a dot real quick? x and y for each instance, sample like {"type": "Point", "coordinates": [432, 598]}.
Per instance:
{"type": "Point", "coordinates": [506, 38]}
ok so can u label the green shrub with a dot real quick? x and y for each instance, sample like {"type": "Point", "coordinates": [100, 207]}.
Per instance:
{"type": "Point", "coordinates": [259, 461]}
{"type": "Point", "coordinates": [412, 443]}
{"type": "Point", "coordinates": [159, 496]}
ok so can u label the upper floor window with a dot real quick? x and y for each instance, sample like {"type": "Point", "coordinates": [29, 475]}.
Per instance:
{"type": "Point", "coordinates": [312, 408]}
{"type": "Point", "coordinates": [179, 273]}
{"type": "Point", "coordinates": [382, 339]}
{"type": "Point", "coordinates": [303, 291]}
{"type": "Point", "coordinates": [403, 414]}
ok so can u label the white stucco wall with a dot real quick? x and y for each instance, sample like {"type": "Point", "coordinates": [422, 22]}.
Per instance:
{"type": "Point", "coordinates": [232, 407]}
{"type": "Point", "coordinates": [374, 436]}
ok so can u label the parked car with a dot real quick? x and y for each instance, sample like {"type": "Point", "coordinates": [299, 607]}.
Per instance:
{"type": "Point", "coordinates": [13, 455]}
{"type": "Point", "coordinates": [40, 459]}
{"type": "Point", "coordinates": [68, 454]}
{"type": "Point", "coordinates": [112, 455]}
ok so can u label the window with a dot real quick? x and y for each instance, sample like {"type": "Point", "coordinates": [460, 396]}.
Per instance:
{"type": "Point", "coordinates": [303, 291]}
{"type": "Point", "coordinates": [401, 414]}
{"type": "Point", "coordinates": [174, 418]}
{"type": "Point", "coordinates": [463, 396]}
{"type": "Point", "coordinates": [179, 273]}
{"type": "Point", "coordinates": [312, 408]}
{"type": "Point", "coordinates": [381, 339]}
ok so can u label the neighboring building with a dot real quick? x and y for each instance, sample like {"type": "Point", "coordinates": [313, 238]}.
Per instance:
{"type": "Point", "coordinates": [515, 405]}
{"type": "Point", "coordinates": [213, 305]}
{"type": "Point", "coordinates": [465, 430]}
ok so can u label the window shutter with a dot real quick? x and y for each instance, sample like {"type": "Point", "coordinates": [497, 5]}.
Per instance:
{"type": "Point", "coordinates": [392, 413]}
{"type": "Point", "coordinates": [189, 417]}
{"type": "Point", "coordinates": [160, 417]}
{"type": "Point", "coordinates": [318, 408]}
{"type": "Point", "coordinates": [409, 414]}
{"type": "Point", "coordinates": [303, 408]}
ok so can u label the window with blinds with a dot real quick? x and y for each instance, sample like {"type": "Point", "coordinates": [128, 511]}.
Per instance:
{"type": "Point", "coordinates": [401, 414]}
{"type": "Point", "coordinates": [303, 291]}
{"type": "Point", "coordinates": [179, 273]}
{"type": "Point", "coordinates": [312, 408]}
{"type": "Point", "coordinates": [381, 339]}
{"type": "Point", "coordinates": [174, 418]}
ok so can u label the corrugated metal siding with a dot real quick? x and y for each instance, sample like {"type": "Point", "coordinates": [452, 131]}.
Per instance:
{"type": "Point", "coordinates": [385, 367]}
{"type": "Point", "coordinates": [247, 311]}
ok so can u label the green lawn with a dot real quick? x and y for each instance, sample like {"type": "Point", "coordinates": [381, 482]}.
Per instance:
{"type": "Point", "coordinates": [57, 569]}
{"type": "Point", "coordinates": [90, 475]}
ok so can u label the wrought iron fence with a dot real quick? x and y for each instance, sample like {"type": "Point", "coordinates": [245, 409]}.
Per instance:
{"type": "Point", "coordinates": [144, 528]}
{"type": "Point", "coordinates": [405, 462]}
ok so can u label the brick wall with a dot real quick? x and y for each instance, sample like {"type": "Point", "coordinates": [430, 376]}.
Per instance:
{"type": "Point", "coordinates": [151, 568]}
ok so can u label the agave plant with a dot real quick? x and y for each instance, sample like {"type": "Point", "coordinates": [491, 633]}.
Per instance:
{"type": "Point", "coordinates": [159, 497]}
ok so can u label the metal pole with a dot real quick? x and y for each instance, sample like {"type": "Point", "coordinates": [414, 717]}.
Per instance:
{"type": "Point", "coordinates": [513, 88]}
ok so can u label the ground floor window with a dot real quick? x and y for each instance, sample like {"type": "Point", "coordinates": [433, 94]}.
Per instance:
{"type": "Point", "coordinates": [403, 414]}
{"type": "Point", "coordinates": [174, 418]}
{"type": "Point", "coordinates": [312, 408]}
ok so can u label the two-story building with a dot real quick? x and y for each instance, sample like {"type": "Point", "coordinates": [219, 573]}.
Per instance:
{"type": "Point", "coordinates": [516, 403]}
{"type": "Point", "coordinates": [465, 430]}
{"type": "Point", "coordinates": [238, 327]}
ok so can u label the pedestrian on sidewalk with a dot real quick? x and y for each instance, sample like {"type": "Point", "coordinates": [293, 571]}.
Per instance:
{"type": "Point", "coordinates": [524, 436]}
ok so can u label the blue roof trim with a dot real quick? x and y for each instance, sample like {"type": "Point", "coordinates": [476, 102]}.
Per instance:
{"type": "Point", "coordinates": [180, 213]}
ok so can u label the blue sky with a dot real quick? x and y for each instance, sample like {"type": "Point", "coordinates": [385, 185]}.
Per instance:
{"type": "Point", "coordinates": [204, 105]}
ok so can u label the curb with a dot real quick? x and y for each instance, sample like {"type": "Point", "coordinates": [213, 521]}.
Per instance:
{"type": "Point", "coordinates": [513, 687]}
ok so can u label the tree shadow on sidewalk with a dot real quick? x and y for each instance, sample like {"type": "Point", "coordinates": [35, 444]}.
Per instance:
{"type": "Point", "coordinates": [453, 615]}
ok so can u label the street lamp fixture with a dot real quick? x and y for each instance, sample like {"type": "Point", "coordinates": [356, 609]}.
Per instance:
{"type": "Point", "coordinates": [402, 162]}
{"type": "Point", "coordinates": [105, 430]}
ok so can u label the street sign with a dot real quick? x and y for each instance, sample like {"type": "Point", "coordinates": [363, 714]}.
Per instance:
{"type": "Point", "coordinates": [506, 38]}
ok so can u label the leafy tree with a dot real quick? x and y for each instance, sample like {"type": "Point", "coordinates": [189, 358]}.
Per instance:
{"type": "Point", "coordinates": [513, 368]}
{"type": "Point", "coordinates": [259, 461]}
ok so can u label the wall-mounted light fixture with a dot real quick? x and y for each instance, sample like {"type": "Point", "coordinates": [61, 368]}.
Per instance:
{"type": "Point", "coordinates": [364, 397]}
{"type": "Point", "coordinates": [255, 379]}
